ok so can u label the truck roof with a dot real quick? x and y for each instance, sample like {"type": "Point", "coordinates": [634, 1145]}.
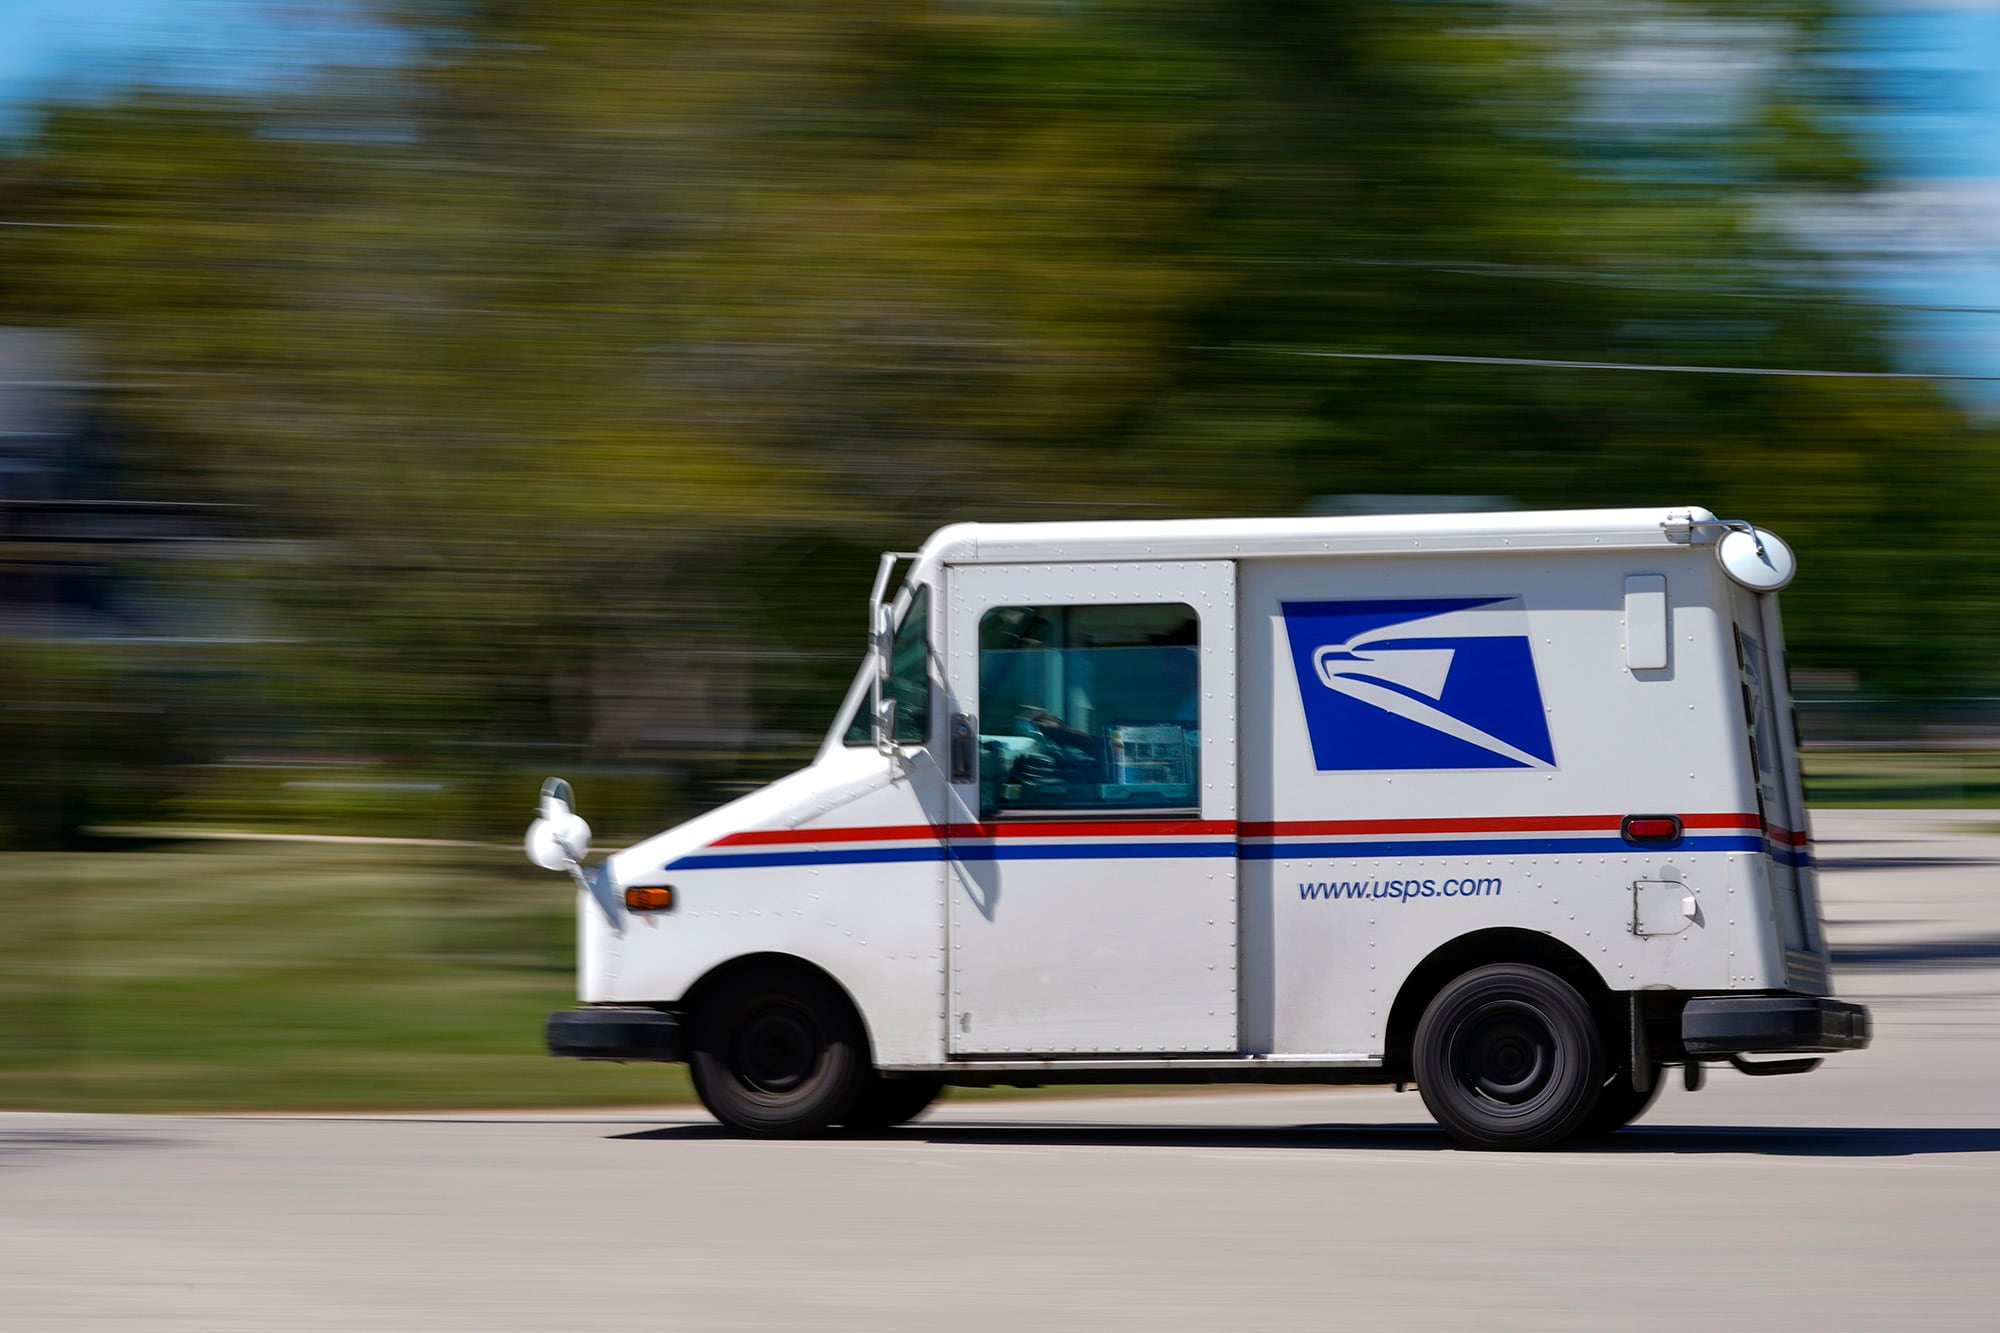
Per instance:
{"type": "Point", "coordinates": [1230, 538]}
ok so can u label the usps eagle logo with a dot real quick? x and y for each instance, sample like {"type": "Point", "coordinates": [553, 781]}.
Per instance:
{"type": "Point", "coordinates": [1419, 683]}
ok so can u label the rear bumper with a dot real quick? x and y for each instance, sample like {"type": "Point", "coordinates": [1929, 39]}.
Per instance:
{"type": "Point", "coordinates": [614, 1034]}
{"type": "Point", "coordinates": [1733, 1024]}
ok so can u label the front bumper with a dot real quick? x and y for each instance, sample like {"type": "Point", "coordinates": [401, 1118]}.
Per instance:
{"type": "Point", "coordinates": [1735, 1024]}
{"type": "Point", "coordinates": [614, 1034]}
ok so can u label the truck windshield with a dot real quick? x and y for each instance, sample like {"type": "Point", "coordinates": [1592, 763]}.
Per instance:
{"type": "Point", "coordinates": [909, 679]}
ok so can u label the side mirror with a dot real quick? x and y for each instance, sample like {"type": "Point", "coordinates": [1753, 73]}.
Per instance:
{"type": "Point", "coordinates": [559, 839]}
{"type": "Point", "coordinates": [882, 633]}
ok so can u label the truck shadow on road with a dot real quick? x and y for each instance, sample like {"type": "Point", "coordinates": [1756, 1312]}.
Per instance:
{"type": "Point", "coordinates": [1969, 951]}
{"type": "Point", "coordinates": [25, 1145]}
{"type": "Point", "coordinates": [1837, 865]}
{"type": "Point", "coordinates": [1636, 1141]}
{"type": "Point", "coordinates": [1768, 1141]}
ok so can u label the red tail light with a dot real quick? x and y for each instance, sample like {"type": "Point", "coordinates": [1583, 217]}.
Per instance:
{"type": "Point", "coordinates": [1651, 828]}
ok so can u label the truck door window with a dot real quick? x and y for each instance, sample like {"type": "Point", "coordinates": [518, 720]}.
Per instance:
{"type": "Point", "coordinates": [909, 679]}
{"type": "Point", "coordinates": [1089, 708]}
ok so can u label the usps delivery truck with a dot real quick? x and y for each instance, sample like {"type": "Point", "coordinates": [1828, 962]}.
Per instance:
{"type": "Point", "coordinates": [1506, 806]}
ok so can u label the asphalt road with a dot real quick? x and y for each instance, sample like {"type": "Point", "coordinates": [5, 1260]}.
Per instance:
{"type": "Point", "coordinates": [1864, 1196]}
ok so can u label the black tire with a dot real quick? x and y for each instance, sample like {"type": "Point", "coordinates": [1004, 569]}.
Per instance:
{"type": "Point", "coordinates": [777, 1052]}
{"type": "Point", "coordinates": [885, 1102]}
{"type": "Point", "coordinates": [1618, 1104]}
{"type": "Point", "coordinates": [1509, 1056]}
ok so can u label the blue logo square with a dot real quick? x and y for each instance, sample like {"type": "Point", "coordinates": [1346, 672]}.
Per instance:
{"type": "Point", "coordinates": [1419, 683]}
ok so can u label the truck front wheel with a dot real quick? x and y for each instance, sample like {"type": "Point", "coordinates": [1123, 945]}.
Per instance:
{"type": "Point", "coordinates": [776, 1053]}
{"type": "Point", "coordinates": [1509, 1056]}
{"type": "Point", "coordinates": [885, 1103]}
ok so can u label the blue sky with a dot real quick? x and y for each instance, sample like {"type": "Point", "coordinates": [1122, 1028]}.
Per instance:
{"type": "Point", "coordinates": [1933, 67]}
{"type": "Point", "coordinates": [1939, 62]}
{"type": "Point", "coordinates": [68, 47]}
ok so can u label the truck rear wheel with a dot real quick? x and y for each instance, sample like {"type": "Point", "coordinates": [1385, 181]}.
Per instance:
{"type": "Point", "coordinates": [1619, 1104]}
{"type": "Point", "coordinates": [777, 1053]}
{"type": "Point", "coordinates": [1508, 1056]}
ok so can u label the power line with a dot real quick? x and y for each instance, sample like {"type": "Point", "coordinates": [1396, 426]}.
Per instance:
{"type": "Point", "coordinates": [1473, 268]}
{"type": "Point", "coordinates": [1552, 364]}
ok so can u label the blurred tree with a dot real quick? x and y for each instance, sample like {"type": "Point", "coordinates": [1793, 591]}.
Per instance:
{"type": "Point", "coordinates": [594, 329]}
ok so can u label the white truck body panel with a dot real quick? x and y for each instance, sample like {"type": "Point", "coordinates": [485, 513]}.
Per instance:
{"type": "Point", "coordinates": [1409, 730]}
{"type": "Point", "coordinates": [761, 875]}
{"type": "Point", "coordinates": [1539, 845]}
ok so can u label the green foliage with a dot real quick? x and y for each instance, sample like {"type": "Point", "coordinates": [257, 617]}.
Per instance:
{"type": "Point", "coordinates": [86, 738]}
{"type": "Point", "coordinates": [596, 332]}
{"type": "Point", "coordinates": [1915, 780]}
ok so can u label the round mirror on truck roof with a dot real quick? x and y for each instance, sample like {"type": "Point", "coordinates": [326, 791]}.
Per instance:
{"type": "Point", "coordinates": [1757, 559]}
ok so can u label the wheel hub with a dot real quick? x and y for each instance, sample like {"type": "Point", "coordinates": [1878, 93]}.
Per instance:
{"type": "Point", "coordinates": [1505, 1056]}
{"type": "Point", "coordinates": [777, 1051]}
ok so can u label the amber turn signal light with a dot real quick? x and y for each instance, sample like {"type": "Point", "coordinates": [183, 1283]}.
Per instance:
{"type": "Point", "coordinates": [649, 900]}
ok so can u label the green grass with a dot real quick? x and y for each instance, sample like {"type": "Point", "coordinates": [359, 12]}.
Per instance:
{"type": "Point", "coordinates": [1937, 780]}
{"type": "Point", "coordinates": [276, 976]}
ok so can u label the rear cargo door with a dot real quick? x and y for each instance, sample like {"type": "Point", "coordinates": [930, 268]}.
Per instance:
{"type": "Point", "coordinates": [1774, 758]}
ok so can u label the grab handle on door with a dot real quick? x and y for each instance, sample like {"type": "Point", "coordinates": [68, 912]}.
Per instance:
{"type": "Point", "coordinates": [964, 748]}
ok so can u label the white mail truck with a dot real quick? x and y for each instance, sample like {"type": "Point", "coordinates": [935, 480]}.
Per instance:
{"type": "Point", "coordinates": [1506, 806]}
